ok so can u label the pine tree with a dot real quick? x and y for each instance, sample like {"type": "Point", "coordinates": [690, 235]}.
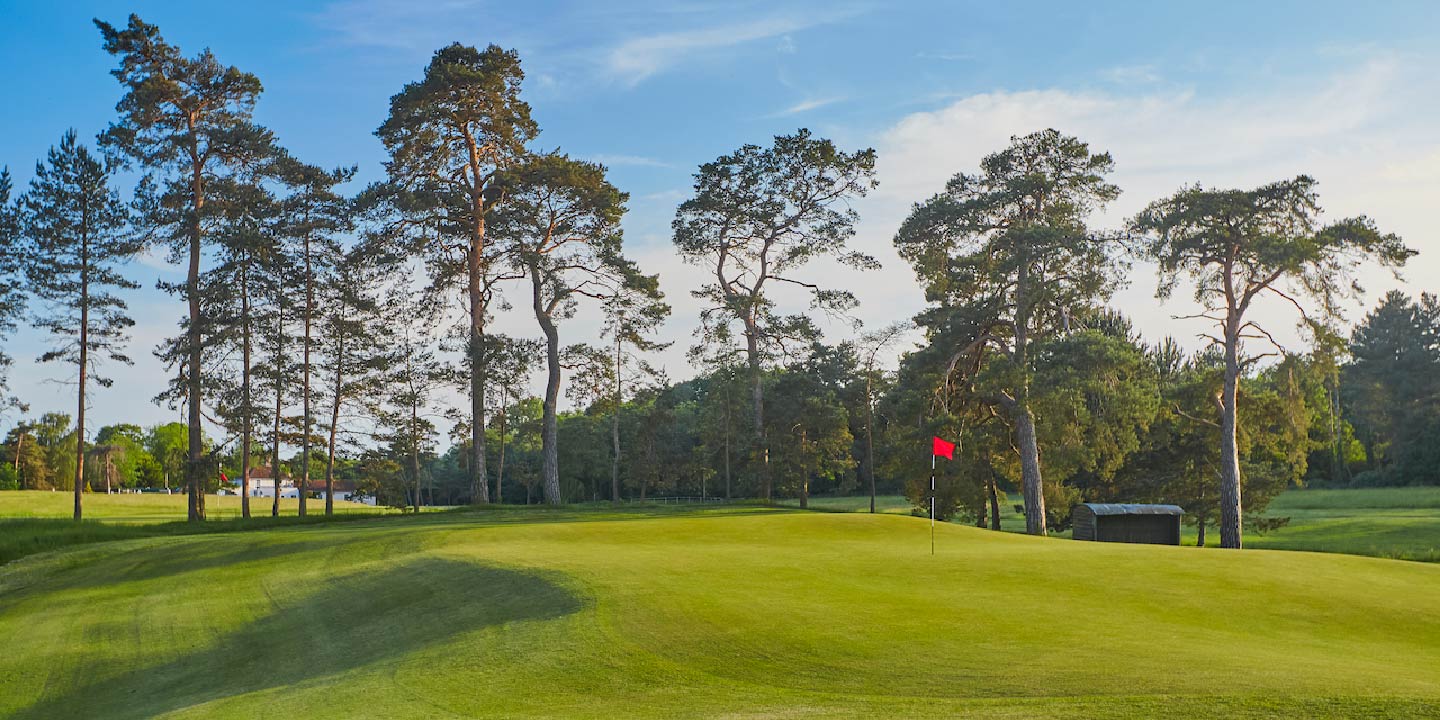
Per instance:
{"type": "Point", "coordinates": [1008, 251]}
{"type": "Point", "coordinates": [632, 315]}
{"type": "Point", "coordinates": [276, 372]}
{"type": "Point", "coordinates": [355, 337]}
{"type": "Point", "coordinates": [450, 135]}
{"type": "Point", "coordinates": [246, 240]}
{"type": "Point", "coordinates": [12, 299]}
{"type": "Point", "coordinates": [76, 228]}
{"type": "Point", "coordinates": [510, 362]}
{"type": "Point", "coordinates": [562, 219]}
{"type": "Point", "coordinates": [410, 381]}
{"type": "Point", "coordinates": [758, 216]}
{"type": "Point", "coordinates": [185, 120]}
{"type": "Point", "coordinates": [314, 215]}
{"type": "Point", "coordinates": [1240, 245]}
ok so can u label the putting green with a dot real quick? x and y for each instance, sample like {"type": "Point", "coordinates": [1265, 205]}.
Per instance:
{"type": "Point", "coordinates": [724, 613]}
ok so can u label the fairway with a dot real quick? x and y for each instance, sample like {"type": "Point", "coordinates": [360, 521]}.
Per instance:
{"type": "Point", "coordinates": [154, 507]}
{"type": "Point", "coordinates": [722, 612]}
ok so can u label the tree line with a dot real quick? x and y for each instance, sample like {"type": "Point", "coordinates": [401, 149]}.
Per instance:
{"type": "Point", "coordinates": [329, 324]}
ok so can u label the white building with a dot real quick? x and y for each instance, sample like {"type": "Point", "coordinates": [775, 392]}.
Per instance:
{"type": "Point", "coordinates": [263, 485]}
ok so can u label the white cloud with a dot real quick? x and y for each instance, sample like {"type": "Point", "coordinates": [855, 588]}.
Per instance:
{"type": "Point", "coordinates": [628, 161]}
{"type": "Point", "coordinates": [1132, 74]}
{"type": "Point", "coordinates": [401, 24]}
{"type": "Point", "coordinates": [640, 57]}
{"type": "Point", "coordinates": [1361, 133]}
{"type": "Point", "coordinates": [945, 56]}
{"type": "Point", "coordinates": [805, 106]}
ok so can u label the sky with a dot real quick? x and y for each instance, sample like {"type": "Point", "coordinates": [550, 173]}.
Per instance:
{"type": "Point", "coordinates": [1227, 94]}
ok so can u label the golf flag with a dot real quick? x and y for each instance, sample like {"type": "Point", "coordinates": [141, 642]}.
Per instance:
{"type": "Point", "coordinates": [942, 447]}
{"type": "Point", "coordinates": [223, 479]}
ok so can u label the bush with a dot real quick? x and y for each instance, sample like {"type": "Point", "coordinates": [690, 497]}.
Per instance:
{"type": "Point", "coordinates": [1384, 477]}
{"type": "Point", "coordinates": [9, 479]}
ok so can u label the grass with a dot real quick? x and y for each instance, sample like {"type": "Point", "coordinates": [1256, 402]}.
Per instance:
{"type": "Point", "coordinates": [152, 507]}
{"type": "Point", "coordinates": [734, 612]}
{"type": "Point", "coordinates": [36, 521]}
{"type": "Point", "coordinates": [1400, 523]}
{"type": "Point", "coordinates": [1396, 523]}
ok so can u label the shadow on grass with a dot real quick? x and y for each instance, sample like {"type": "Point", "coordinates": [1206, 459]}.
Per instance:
{"type": "Point", "coordinates": [20, 537]}
{"type": "Point", "coordinates": [356, 620]}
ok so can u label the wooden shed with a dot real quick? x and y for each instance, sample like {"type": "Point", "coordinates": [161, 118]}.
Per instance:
{"type": "Point", "coordinates": [1127, 522]}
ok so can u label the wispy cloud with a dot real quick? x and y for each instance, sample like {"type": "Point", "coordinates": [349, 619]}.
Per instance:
{"type": "Point", "coordinates": [805, 106]}
{"type": "Point", "coordinates": [665, 196]}
{"type": "Point", "coordinates": [946, 56]}
{"type": "Point", "coordinates": [400, 24]}
{"type": "Point", "coordinates": [638, 58]}
{"type": "Point", "coordinates": [628, 161]}
{"type": "Point", "coordinates": [1132, 74]}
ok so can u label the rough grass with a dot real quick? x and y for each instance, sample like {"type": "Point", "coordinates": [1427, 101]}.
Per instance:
{"type": "Point", "coordinates": [726, 612]}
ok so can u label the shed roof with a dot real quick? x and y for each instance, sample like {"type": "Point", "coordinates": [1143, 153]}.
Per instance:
{"type": "Point", "coordinates": [1132, 509]}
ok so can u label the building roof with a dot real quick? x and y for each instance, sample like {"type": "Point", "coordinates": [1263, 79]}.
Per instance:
{"type": "Point", "coordinates": [263, 472]}
{"type": "Point", "coordinates": [1132, 509]}
{"type": "Point", "coordinates": [341, 485]}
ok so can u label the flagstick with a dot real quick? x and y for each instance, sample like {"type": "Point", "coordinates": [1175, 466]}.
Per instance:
{"type": "Point", "coordinates": [932, 503]}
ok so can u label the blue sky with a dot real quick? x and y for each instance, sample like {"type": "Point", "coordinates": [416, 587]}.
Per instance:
{"type": "Point", "coordinates": [1227, 93]}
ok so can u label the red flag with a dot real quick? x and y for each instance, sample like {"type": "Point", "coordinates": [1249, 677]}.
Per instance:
{"type": "Point", "coordinates": [941, 447]}
{"type": "Point", "coordinates": [223, 478]}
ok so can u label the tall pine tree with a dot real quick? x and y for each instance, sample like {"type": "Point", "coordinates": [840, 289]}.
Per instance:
{"type": "Point", "coordinates": [183, 121]}
{"type": "Point", "coordinates": [12, 299]}
{"type": "Point", "coordinates": [449, 136]}
{"type": "Point", "coordinates": [76, 229]}
{"type": "Point", "coordinates": [1239, 246]}
{"type": "Point", "coordinates": [759, 215]}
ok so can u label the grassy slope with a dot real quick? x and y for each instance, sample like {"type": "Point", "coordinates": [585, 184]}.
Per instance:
{"type": "Point", "coordinates": [1402, 523]}
{"type": "Point", "coordinates": [727, 612]}
{"type": "Point", "coordinates": [1399, 523]}
{"type": "Point", "coordinates": [149, 507]}
{"type": "Point", "coordinates": [36, 521]}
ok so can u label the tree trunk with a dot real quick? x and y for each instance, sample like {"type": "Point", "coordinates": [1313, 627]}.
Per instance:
{"type": "Point", "coordinates": [500, 459]}
{"type": "Point", "coordinates": [479, 480]}
{"type": "Point", "coordinates": [303, 490]}
{"type": "Point", "coordinates": [994, 502]}
{"type": "Point", "coordinates": [84, 366]}
{"type": "Point", "coordinates": [870, 441]}
{"type": "Point", "coordinates": [196, 440]}
{"type": "Point", "coordinates": [1230, 510]}
{"type": "Point", "coordinates": [334, 424]}
{"type": "Point", "coordinates": [757, 396]}
{"type": "Point", "coordinates": [1021, 417]}
{"type": "Point", "coordinates": [279, 407]}
{"type": "Point", "coordinates": [615, 427]}
{"type": "Point", "coordinates": [804, 474]}
{"type": "Point", "coordinates": [1030, 470]}
{"type": "Point", "coordinates": [550, 464]}
{"type": "Point", "coordinates": [1200, 532]}
{"type": "Point", "coordinates": [727, 463]}
{"type": "Point", "coordinates": [415, 452]}
{"type": "Point", "coordinates": [246, 416]}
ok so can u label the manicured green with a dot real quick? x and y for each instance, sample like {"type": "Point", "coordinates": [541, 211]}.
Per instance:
{"type": "Point", "coordinates": [716, 612]}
